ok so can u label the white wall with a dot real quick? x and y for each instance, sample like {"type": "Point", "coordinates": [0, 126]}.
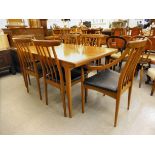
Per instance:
{"type": "Point", "coordinates": [104, 23]}
{"type": "Point", "coordinates": [2, 23]}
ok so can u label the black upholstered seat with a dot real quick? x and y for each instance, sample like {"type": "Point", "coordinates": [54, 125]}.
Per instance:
{"type": "Point", "coordinates": [75, 75]}
{"type": "Point", "coordinates": [39, 68]}
{"type": "Point", "coordinates": [107, 79]}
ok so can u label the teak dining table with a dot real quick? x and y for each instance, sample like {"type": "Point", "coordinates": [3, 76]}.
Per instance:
{"type": "Point", "coordinates": [72, 56]}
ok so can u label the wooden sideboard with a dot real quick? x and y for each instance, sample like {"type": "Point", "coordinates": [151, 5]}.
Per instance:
{"type": "Point", "coordinates": [37, 32]}
{"type": "Point", "coordinates": [6, 61]}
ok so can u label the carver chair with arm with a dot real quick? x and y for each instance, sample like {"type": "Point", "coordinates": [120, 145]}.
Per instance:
{"type": "Point", "coordinates": [116, 42]}
{"type": "Point", "coordinates": [112, 83]}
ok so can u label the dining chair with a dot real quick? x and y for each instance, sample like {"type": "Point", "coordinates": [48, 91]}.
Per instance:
{"type": "Point", "coordinates": [112, 83]}
{"type": "Point", "coordinates": [151, 74]}
{"type": "Point", "coordinates": [118, 43]}
{"type": "Point", "coordinates": [53, 72]}
{"type": "Point", "coordinates": [29, 36]}
{"type": "Point", "coordinates": [91, 39]}
{"type": "Point", "coordinates": [75, 30]}
{"type": "Point", "coordinates": [152, 50]}
{"type": "Point", "coordinates": [135, 31]}
{"type": "Point", "coordinates": [152, 31]}
{"type": "Point", "coordinates": [29, 64]}
{"type": "Point", "coordinates": [144, 62]}
{"type": "Point", "coordinates": [119, 31]}
{"type": "Point", "coordinates": [71, 39]}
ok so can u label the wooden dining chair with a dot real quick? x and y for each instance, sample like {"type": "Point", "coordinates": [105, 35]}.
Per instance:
{"type": "Point", "coordinates": [91, 39]}
{"type": "Point", "coordinates": [28, 36]}
{"type": "Point", "coordinates": [30, 65]}
{"type": "Point", "coordinates": [112, 83]}
{"type": "Point", "coordinates": [151, 75]}
{"type": "Point", "coordinates": [119, 31]}
{"type": "Point", "coordinates": [144, 62]}
{"type": "Point", "coordinates": [118, 43]}
{"type": "Point", "coordinates": [135, 31]}
{"type": "Point", "coordinates": [152, 31]}
{"type": "Point", "coordinates": [152, 50]}
{"type": "Point", "coordinates": [53, 72]}
{"type": "Point", "coordinates": [71, 39]}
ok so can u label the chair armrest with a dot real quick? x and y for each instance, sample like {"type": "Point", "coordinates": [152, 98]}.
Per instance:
{"type": "Point", "coordinates": [107, 66]}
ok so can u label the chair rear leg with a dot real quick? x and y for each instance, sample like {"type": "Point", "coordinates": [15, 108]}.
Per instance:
{"type": "Point", "coordinates": [24, 77]}
{"type": "Point", "coordinates": [86, 95]}
{"type": "Point", "coordinates": [39, 89]}
{"type": "Point", "coordinates": [141, 76]}
{"type": "Point", "coordinates": [29, 79]}
{"type": "Point", "coordinates": [63, 101]}
{"type": "Point", "coordinates": [116, 110]}
{"type": "Point", "coordinates": [129, 97]}
{"type": "Point", "coordinates": [83, 96]}
{"type": "Point", "coordinates": [148, 80]}
{"type": "Point", "coordinates": [26, 82]}
{"type": "Point", "coordinates": [153, 88]}
{"type": "Point", "coordinates": [120, 66]}
{"type": "Point", "coordinates": [46, 92]}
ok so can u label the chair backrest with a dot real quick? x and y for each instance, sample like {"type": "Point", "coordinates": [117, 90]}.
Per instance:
{"type": "Point", "coordinates": [24, 53]}
{"type": "Point", "coordinates": [71, 39]}
{"type": "Point", "coordinates": [152, 31]}
{"type": "Point", "coordinates": [75, 30]}
{"type": "Point", "coordinates": [116, 42]}
{"type": "Point", "coordinates": [119, 31]}
{"type": "Point", "coordinates": [57, 31]}
{"type": "Point", "coordinates": [147, 48]}
{"type": "Point", "coordinates": [49, 60]}
{"type": "Point", "coordinates": [135, 31]}
{"type": "Point", "coordinates": [91, 39]}
{"type": "Point", "coordinates": [134, 50]}
{"type": "Point", "coordinates": [153, 43]}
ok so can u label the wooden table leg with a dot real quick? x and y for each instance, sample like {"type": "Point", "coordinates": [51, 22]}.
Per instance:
{"type": "Point", "coordinates": [68, 89]}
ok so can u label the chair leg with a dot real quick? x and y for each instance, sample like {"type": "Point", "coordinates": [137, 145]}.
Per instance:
{"type": "Point", "coordinates": [116, 110]}
{"type": "Point", "coordinates": [148, 80]}
{"type": "Point", "coordinates": [24, 77]}
{"type": "Point", "coordinates": [26, 82]}
{"type": "Point", "coordinates": [39, 89]}
{"type": "Point", "coordinates": [141, 76]}
{"type": "Point", "coordinates": [107, 59]}
{"type": "Point", "coordinates": [83, 96]}
{"type": "Point", "coordinates": [63, 101]}
{"type": "Point", "coordinates": [46, 92]}
{"type": "Point", "coordinates": [114, 67]}
{"type": "Point", "coordinates": [86, 95]}
{"type": "Point", "coordinates": [29, 79]}
{"type": "Point", "coordinates": [86, 90]}
{"type": "Point", "coordinates": [153, 88]}
{"type": "Point", "coordinates": [120, 66]}
{"type": "Point", "coordinates": [129, 97]}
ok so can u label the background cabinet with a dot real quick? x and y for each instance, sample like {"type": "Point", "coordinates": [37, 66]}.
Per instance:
{"type": "Point", "coordinates": [6, 61]}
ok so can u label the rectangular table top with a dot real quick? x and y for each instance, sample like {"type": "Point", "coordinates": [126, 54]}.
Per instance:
{"type": "Point", "coordinates": [78, 55]}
